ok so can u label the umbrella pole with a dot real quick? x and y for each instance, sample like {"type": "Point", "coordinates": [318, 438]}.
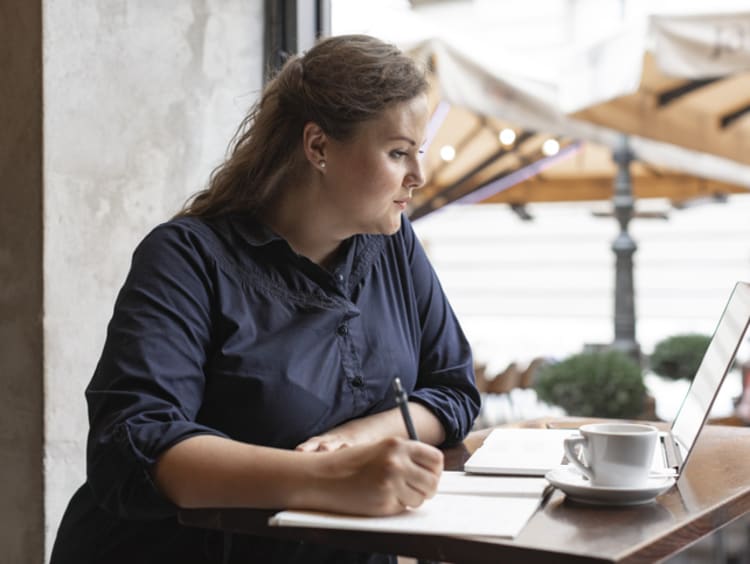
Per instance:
{"type": "Point", "coordinates": [624, 247]}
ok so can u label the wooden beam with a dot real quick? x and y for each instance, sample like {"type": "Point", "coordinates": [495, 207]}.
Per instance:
{"type": "Point", "coordinates": [685, 123]}
{"type": "Point", "coordinates": [674, 187]}
{"type": "Point", "coordinates": [668, 96]}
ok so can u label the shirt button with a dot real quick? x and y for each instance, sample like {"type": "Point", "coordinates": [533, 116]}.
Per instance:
{"type": "Point", "coordinates": [342, 330]}
{"type": "Point", "coordinates": [340, 277]}
{"type": "Point", "coordinates": [357, 381]}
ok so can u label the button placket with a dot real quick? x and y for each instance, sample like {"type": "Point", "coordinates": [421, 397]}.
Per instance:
{"type": "Point", "coordinates": [354, 380]}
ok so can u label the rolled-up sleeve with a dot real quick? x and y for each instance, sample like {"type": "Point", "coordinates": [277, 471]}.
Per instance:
{"type": "Point", "coordinates": [148, 385]}
{"type": "Point", "coordinates": [445, 383]}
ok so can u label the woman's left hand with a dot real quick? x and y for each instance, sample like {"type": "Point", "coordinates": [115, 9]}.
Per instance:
{"type": "Point", "coordinates": [372, 428]}
{"type": "Point", "coordinates": [335, 439]}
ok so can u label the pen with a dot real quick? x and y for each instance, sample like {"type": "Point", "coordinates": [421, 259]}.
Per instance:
{"type": "Point", "coordinates": [402, 400]}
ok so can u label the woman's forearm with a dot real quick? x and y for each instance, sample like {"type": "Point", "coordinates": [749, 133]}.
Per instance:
{"type": "Point", "coordinates": [378, 478]}
{"type": "Point", "coordinates": [207, 470]}
{"type": "Point", "coordinates": [391, 424]}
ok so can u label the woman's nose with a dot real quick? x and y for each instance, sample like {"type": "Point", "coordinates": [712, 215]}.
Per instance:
{"type": "Point", "coordinates": [415, 179]}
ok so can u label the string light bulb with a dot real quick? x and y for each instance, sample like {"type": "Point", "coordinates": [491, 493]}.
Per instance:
{"type": "Point", "coordinates": [447, 153]}
{"type": "Point", "coordinates": [507, 137]}
{"type": "Point", "coordinates": [550, 147]}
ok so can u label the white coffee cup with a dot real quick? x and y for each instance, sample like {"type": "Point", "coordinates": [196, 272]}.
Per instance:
{"type": "Point", "coordinates": [616, 455]}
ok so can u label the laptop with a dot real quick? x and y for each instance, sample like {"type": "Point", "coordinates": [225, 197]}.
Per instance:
{"type": "Point", "coordinates": [533, 452]}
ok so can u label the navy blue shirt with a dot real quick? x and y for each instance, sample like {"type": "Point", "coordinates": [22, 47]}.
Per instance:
{"type": "Point", "coordinates": [221, 328]}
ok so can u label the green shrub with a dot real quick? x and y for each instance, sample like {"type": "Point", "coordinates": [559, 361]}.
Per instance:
{"type": "Point", "coordinates": [598, 384]}
{"type": "Point", "coordinates": [679, 356]}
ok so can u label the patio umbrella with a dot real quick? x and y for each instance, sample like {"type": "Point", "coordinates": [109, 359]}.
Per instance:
{"type": "Point", "coordinates": [475, 167]}
{"type": "Point", "coordinates": [472, 99]}
{"type": "Point", "coordinates": [689, 83]}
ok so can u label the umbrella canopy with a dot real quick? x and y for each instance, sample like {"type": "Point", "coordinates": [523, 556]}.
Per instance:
{"type": "Point", "coordinates": [691, 87]}
{"type": "Point", "coordinates": [536, 110]}
{"type": "Point", "coordinates": [474, 155]}
{"type": "Point", "coordinates": [587, 175]}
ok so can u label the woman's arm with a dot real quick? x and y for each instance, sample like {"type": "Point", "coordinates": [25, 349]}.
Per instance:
{"type": "Point", "coordinates": [445, 383]}
{"type": "Point", "coordinates": [379, 478]}
{"type": "Point", "coordinates": [380, 425]}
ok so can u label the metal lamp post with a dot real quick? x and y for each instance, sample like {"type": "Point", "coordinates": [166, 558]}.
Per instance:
{"type": "Point", "coordinates": [624, 247]}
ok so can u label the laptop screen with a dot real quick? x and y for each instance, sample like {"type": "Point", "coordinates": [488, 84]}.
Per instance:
{"type": "Point", "coordinates": [716, 363]}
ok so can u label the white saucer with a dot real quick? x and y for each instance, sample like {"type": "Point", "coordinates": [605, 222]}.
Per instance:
{"type": "Point", "coordinates": [578, 488]}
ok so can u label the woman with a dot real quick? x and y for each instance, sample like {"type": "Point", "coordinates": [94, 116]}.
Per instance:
{"type": "Point", "coordinates": [251, 353]}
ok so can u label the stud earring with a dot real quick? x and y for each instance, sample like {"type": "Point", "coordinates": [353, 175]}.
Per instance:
{"type": "Point", "coordinates": [322, 164]}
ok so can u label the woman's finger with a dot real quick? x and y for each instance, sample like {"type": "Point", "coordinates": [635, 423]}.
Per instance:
{"type": "Point", "coordinates": [310, 445]}
{"type": "Point", "coordinates": [330, 445]}
{"type": "Point", "coordinates": [422, 473]}
{"type": "Point", "coordinates": [426, 456]}
{"type": "Point", "coordinates": [322, 444]}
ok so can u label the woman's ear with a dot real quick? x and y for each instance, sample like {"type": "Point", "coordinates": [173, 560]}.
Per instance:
{"type": "Point", "coordinates": [315, 145]}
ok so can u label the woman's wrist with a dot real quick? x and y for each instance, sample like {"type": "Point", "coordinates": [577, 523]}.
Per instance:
{"type": "Point", "coordinates": [315, 483]}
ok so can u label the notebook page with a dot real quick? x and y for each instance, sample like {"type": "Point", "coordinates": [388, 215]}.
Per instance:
{"type": "Point", "coordinates": [444, 514]}
{"type": "Point", "coordinates": [460, 483]}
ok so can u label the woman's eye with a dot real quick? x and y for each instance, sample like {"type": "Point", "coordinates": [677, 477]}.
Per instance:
{"type": "Point", "coordinates": [398, 154]}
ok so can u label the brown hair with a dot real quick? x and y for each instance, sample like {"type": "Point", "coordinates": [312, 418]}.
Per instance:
{"type": "Point", "coordinates": [339, 83]}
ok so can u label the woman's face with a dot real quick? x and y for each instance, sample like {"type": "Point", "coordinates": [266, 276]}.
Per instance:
{"type": "Point", "coordinates": [370, 178]}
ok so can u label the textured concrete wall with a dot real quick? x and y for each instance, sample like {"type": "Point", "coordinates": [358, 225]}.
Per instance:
{"type": "Point", "coordinates": [140, 100]}
{"type": "Point", "coordinates": [21, 517]}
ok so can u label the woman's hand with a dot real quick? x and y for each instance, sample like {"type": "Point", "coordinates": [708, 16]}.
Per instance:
{"type": "Point", "coordinates": [333, 440]}
{"type": "Point", "coordinates": [379, 478]}
{"type": "Point", "coordinates": [375, 427]}
{"type": "Point", "coordinates": [351, 433]}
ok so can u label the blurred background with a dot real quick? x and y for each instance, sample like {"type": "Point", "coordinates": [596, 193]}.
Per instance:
{"type": "Point", "coordinates": [587, 162]}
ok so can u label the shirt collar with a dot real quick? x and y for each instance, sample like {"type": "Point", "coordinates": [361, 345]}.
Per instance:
{"type": "Point", "coordinates": [361, 252]}
{"type": "Point", "coordinates": [252, 230]}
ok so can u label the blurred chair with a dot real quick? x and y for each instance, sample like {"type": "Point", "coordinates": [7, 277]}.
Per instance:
{"type": "Point", "coordinates": [506, 380]}
{"type": "Point", "coordinates": [509, 396]}
{"type": "Point", "coordinates": [527, 378]}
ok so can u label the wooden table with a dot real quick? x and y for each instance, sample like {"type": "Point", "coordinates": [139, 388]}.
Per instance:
{"type": "Point", "coordinates": [713, 491]}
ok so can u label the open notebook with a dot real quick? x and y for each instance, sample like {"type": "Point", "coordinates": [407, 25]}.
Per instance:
{"type": "Point", "coordinates": [532, 452]}
{"type": "Point", "coordinates": [464, 505]}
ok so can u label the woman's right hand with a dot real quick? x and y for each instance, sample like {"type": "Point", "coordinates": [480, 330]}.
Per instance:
{"type": "Point", "coordinates": [379, 478]}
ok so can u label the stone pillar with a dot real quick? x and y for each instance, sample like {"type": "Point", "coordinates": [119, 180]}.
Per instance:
{"type": "Point", "coordinates": [21, 342]}
{"type": "Point", "coordinates": [111, 115]}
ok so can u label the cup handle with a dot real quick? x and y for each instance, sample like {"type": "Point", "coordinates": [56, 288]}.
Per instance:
{"type": "Point", "coordinates": [571, 444]}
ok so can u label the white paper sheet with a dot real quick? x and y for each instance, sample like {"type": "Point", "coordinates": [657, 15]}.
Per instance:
{"type": "Point", "coordinates": [465, 505]}
{"type": "Point", "coordinates": [461, 483]}
{"type": "Point", "coordinates": [530, 452]}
